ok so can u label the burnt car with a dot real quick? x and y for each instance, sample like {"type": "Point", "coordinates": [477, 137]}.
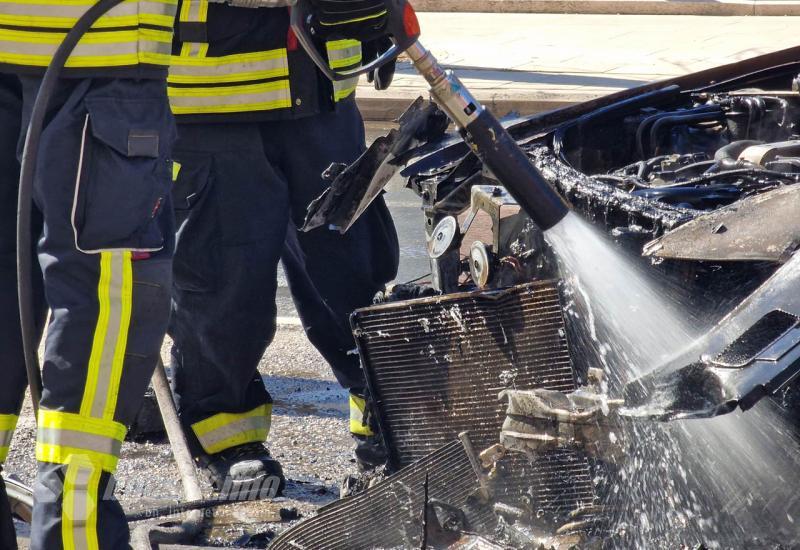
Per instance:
{"type": "Point", "coordinates": [504, 426]}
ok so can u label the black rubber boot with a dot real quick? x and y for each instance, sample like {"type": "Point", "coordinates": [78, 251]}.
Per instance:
{"type": "Point", "coordinates": [244, 472]}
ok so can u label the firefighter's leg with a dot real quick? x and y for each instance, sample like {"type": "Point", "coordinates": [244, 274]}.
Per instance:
{"type": "Point", "coordinates": [332, 274]}
{"type": "Point", "coordinates": [102, 185]}
{"type": "Point", "coordinates": [232, 211]}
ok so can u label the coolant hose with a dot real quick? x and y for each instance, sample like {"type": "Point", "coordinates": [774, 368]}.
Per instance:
{"type": "Point", "coordinates": [30, 155]}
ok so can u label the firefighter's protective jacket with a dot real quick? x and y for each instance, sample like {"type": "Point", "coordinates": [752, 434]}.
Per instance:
{"type": "Point", "coordinates": [239, 64]}
{"type": "Point", "coordinates": [134, 39]}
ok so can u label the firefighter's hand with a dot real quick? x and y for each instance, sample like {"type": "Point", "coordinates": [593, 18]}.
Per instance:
{"type": "Point", "coordinates": [359, 19]}
{"type": "Point", "coordinates": [382, 77]}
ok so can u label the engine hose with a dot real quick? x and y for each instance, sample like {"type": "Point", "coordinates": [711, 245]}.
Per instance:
{"type": "Point", "coordinates": [644, 126]}
{"type": "Point", "coordinates": [676, 120]}
{"type": "Point", "coordinates": [30, 155]}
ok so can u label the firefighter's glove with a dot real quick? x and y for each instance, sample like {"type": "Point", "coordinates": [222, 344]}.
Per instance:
{"type": "Point", "coordinates": [382, 77]}
{"type": "Point", "coordinates": [362, 20]}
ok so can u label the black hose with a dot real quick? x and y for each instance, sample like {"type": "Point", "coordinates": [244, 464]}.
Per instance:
{"type": "Point", "coordinates": [30, 154]}
{"type": "Point", "coordinates": [645, 124]}
{"type": "Point", "coordinates": [676, 120]}
{"type": "Point", "coordinates": [205, 504]}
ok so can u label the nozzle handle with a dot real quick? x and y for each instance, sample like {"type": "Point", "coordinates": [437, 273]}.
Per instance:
{"type": "Point", "coordinates": [402, 28]}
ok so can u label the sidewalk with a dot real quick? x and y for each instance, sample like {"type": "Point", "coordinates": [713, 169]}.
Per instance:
{"type": "Point", "coordinates": [627, 7]}
{"type": "Point", "coordinates": [534, 62]}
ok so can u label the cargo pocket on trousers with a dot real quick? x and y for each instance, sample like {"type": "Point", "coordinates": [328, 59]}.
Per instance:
{"type": "Point", "coordinates": [124, 175]}
{"type": "Point", "coordinates": [197, 262]}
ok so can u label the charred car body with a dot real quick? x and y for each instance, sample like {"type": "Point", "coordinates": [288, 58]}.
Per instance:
{"type": "Point", "coordinates": [698, 172]}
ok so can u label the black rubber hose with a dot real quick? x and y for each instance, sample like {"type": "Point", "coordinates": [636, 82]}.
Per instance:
{"type": "Point", "coordinates": [30, 155]}
{"type": "Point", "coordinates": [644, 126]}
{"type": "Point", "coordinates": [512, 167]}
{"type": "Point", "coordinates": [676, 120]}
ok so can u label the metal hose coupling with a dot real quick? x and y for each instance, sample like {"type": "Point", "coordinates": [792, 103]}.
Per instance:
{"type": "Point", "coordinates": [491, 142]}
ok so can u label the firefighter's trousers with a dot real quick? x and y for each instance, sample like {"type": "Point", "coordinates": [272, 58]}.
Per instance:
{"type": "Point", "coordinates": [242, 191]}
{"type": "Point", "coordinates": [103, 233]}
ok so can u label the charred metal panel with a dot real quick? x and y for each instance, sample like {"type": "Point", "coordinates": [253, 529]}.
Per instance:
{"type": "Point", "coordinates": [762, 227]}
{"type": "Point", "coordinates": [390, 514]}
{"type": "Point", "coordinates": [436, 366]}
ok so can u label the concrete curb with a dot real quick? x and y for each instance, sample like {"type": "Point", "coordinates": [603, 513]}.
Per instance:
{"type": "Point", "coordinates": [622, 7]}
{"type": "Point", "coordinates": [386, 107]}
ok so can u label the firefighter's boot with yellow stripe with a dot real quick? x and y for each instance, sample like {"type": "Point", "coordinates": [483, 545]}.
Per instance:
{"type": "Point", "coordinates": [229, 449]}
{"type": "Point", "coordinates": [370, 451]}
{"type": "Point", "coordinates": [243, 472]}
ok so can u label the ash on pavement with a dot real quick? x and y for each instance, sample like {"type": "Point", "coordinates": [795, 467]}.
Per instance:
{"type": "Point", "coordinates": [309, 436]}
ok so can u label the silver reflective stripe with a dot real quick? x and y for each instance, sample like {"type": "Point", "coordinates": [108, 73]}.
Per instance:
{"type": "Point", "coordinates": [121, 48]}
{"type": "Point", "coordinates": [5, 437]}
{"type": "Point", "coordinates": [78, 521]}
{"type": "Point", "coordinates": [214, 67]}
{"type": "Point", "coordinates": [337, 55]}
{"type": "Point", "coordinates": [60, 9]}
{"type": "Point", "coordinates": [232, 429]}
{"type": "Point", "coordinates": [104, 374]}
{"type": "Point", "coordinates": [189, 97]}
{"type": "Point", "coordinates": [343, 88]}
{"type": "Point", "coordinates": [194, 14]}
{"type": "Point", "coordinates": [79, 440]}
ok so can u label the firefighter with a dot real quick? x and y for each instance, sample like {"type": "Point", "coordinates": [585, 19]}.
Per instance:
{"type": "Point", "coordinates": [104, 235]}
{"type": "Point", "coordinates": [258, 125]}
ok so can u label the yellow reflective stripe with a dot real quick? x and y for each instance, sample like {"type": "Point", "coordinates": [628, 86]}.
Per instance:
{"type": "Point", "coordinates": [60, 454]}
{"type": "Point", "coordinates": [358, 407]}
{"type": "Point", "coordinates": [148, 46]}
{"type": "Point", "coordinates": [176, 170]}
{"type": "Point", "coordinates": [126, 299]}
{"type": "Point", "coordinates": [105, 38]}
{"type": "Point", "coordinates": [60, 420]}
{"type": "Point", "coordinates": [100, 331]}
{"type": "Point", "coordinates": [8, 422]}
{"type": "Point", "coordinates": [229, 68]}
{"type": "Point", "coordinates": [225, 430]}
{"type": "Point", "coordinates": [194, 11]}
{"type": "Point", "coordinates": [229, 99]}
{"type": "Point", "coordinates": [61, 436]}
{"type": "Point", "coordinates": [115, 296]}
{"type": "Point", "coordinates": [356, 20]}
{"type": "Point", "coordinates": [106, 47]}
{"type": "Point", "coordinates": [79, 507]}
{"type": "Point", "coordinates": [341, 54]}
{"type": "Point", "coordinates": [64, 14]}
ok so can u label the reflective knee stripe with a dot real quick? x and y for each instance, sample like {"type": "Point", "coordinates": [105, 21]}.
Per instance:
{"type": "Point", "coordinates": [136, 31]}
{"type": "Point", "coordinates": [7, 424]}
{"type": "Point", "coordinates": [194, 11]}
{"type": "Point", "coordinates": [358, 408]}
{"type": "Point", "coordinates": [344, 54]}
{"type": "Point", "coordinates": [79, 507]}
{"type": "Point", "coordinates": [225, 430]}
{"type": "Point", "coordinates": [115, 296]}
{"type": "Point", "coordinates": [230, 84]}
{"type": "Point", "coordinates": [61, 436]}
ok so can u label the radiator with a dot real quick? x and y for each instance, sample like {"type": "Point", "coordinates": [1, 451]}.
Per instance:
{"type": "Point", "coordinates": [436, 365]}
{"type": "Point", "coordinates": [389, 515]}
